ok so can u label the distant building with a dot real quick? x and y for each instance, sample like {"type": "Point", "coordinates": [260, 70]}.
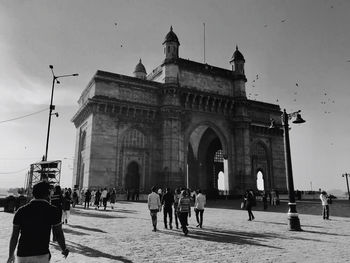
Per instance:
{"type": "Point", "coordinates": [180, 125]}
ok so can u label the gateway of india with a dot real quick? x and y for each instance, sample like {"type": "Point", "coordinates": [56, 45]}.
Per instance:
{"type": "Point", "coordinates": [185, 124]}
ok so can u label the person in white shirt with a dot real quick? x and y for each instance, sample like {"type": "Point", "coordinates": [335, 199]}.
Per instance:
{"type": "Point", "coordinates": [154, 206]}
{"type": "Point", "coordinates": [104, 198]}
{"type": "Point", "coordinates": [325, 206]}
{"type": "Point", "coordinates": [199, 207]}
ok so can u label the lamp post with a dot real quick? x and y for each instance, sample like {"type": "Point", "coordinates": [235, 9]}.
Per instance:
{"type": "Point", "coordinates": [347, 182]}
{"type": "Point", "coordinates": [52, 107]}
{"type": "Point", "coordinates": [293, 217]}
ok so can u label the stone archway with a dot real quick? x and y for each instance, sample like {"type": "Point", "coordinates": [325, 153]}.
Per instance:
{"type": "Point", "coordinates": [261, 166]}
{"type": "Point", "coordinates": [132, 178]}
{"type": "Point", "coordinates": [205, 160]}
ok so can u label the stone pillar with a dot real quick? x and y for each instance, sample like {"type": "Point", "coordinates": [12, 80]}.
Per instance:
{"type": "Point", "coordinates": [173, 172]}
{"type": "Point", "coordinates": [242, 163]}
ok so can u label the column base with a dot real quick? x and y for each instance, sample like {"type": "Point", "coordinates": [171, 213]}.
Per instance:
{"type": "Point", "coordinates": [294, 223]}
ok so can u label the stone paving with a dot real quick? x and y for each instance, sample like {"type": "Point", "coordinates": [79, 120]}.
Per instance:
{"type": "Point", "coordinates": [124, 235]}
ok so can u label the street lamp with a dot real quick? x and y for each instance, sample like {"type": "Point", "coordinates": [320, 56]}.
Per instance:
{"type": "Point", "coordinates": [294, 222]}
{"type": "Point", "coordinates": [347, 182]}
{"type": "Point", "coordinates": [52, 107]}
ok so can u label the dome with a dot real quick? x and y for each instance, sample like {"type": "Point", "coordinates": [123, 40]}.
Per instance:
{"type": "Point", "coordinates": [140, 68]}
{"type": "Point", "coordinates": [237, 55]}
{"type": "Point", "coordinates": [171, 37]}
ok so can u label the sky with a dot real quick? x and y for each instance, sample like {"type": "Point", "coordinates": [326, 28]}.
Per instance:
{"type": "Point", "coordinates": [297, 55]}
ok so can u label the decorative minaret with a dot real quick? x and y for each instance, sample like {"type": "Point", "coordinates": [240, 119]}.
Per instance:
{"type": "Point", "coordinates": [237, 61]}
{"type": "Point", "coordinates": [172, 162]}
{"type": "Point", "coordinates": [171, 50]}
{"type": "Point", "coordinates": [140, 71]}
{"type": "Point", "coordinates": [171, 45]}
{"type": "Point", "coordinates": [241, 122]}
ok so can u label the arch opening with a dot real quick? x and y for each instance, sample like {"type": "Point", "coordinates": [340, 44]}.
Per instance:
{"type": "Point", "coordinates": [260, 181]}
{"type": "Point", "coordinates": [132, 179]}
{"type": "Point", "coordinates": [206, 167]}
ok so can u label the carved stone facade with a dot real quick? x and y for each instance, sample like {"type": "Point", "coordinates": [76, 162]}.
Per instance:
{"type": "Point", "coordinates": [180, 125]}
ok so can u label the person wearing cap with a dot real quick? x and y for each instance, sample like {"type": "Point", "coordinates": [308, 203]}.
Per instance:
{"type": "Point", "coordinates": [32, 223]}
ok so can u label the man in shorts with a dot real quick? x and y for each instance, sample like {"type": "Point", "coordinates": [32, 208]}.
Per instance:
{"type": "Point", "coordinates": [32, 223]}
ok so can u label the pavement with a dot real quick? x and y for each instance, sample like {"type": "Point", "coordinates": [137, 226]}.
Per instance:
{"type": "Point", "coordinates": [124, 235]}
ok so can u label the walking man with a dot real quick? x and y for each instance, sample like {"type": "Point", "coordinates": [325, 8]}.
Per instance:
{"type": "Point", "coordinates": [176, 203]}
{"type": "Point", "coordinates": [87, 199]}
{"type": "Point", "coordinates": [104, 196]}
{"type": "Point", "coordinates": [32, 224]}
{"type": "Point", "coordinates": [167, 202]}
{"type": "Point", "coordinates": [154, 206]}
{"type": "Point", "coordinates": [325, 206]}
{"type": "Point", "coordinates": [199, 207]}
{"type": "Point", "coordinates": [184, 210]}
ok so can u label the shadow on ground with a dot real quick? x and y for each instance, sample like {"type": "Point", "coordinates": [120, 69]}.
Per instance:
{"type": "Point", "coordinates": [74, 232]}
{"type": "Point", "coordinates": [308, 207]}
{"type": "Point", "coordinates": [285, 224]}
{"type": "Point", "coordinates": [91, 252]}
{"type": "Point", "coordinates": [233, 237]}
{"type": "Point", "coordinates": [87, 228]}
{"type": "Point", "coordinates": [93, 213]}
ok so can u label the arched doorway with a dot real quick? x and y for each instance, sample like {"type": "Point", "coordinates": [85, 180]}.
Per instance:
{"type": "Point", "coordinates": [260, 167]}
{"type": "Point", "coordinates": [206, 164]}
{"type": "Point", "coordinates": [260, 181]}
{"type": "Point", "coordinates": [132, 178]}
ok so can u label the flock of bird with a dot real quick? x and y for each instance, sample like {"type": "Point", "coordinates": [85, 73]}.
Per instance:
{"type": "Point", "coordinates": [325, 101]}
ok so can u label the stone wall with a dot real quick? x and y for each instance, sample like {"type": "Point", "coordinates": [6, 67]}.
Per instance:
{"type": "Point", "coordinates": [206, 82]}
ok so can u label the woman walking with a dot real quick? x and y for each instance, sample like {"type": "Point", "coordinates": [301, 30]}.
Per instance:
{"type": "Point", "coordinates": [249, 202]}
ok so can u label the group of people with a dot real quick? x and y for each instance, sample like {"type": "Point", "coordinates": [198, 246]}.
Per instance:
{"type": "Point", "coordinates": [177, 203]}
{"type": "Point", "coordinates": [49, 209]}
{"type": "Point", "coordinates": [96, 198]}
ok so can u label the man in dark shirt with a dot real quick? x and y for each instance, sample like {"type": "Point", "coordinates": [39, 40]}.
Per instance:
{"type": "Point", "coordinates": [168, 201]}
{"type": "Point", "coordinates": [33, 223]}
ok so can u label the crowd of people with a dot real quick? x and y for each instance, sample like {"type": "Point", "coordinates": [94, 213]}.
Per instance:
{"type": "Point", "coordinates": [50, 208]}
{"type": "Point", "coordinates": [177, 203]}
{"type": "Point", "coordinates": [94, 198]}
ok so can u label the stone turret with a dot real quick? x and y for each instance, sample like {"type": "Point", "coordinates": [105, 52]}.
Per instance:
{"type": "Point", "coordinates": [140, 71]}
{"type": "Point", "coordinates": [237, 62]}
{"type": "Point", "coordinates": [171, 45]}
{"type": "Point", "coordinates": [171, 50]}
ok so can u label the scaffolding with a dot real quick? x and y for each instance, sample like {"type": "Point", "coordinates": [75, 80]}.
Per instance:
{"type": "Point", "coordinates": [49, 171]}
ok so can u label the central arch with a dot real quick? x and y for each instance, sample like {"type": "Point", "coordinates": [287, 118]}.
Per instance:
{"type": "Point", "coordinates": [205, 161]}
{"type": "Point", "coordinates": [132, 176]}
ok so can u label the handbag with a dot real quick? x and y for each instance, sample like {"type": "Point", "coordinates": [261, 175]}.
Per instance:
{"type": "Point", "coordinates": [242, 205]}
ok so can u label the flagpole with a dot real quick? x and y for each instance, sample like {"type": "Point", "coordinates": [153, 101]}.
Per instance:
{"type": "Point", "coordinates": [204, 40]}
